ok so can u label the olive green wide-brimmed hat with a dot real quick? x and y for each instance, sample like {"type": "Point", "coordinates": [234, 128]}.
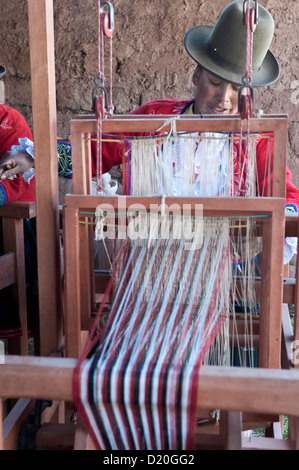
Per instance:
{"type": "Point", "coordinates": [221, 49]}
{"type": "Point", "coordinates": [2, 71]}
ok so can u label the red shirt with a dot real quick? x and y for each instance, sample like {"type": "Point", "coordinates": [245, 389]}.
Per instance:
{"type": "Point", "coordinates": [12, 127]}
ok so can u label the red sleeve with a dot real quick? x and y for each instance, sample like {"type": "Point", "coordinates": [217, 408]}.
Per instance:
{"type": "Point", "coordinates": [113, 152]}
{"type": "Point", "coordinates": [12, 127]}
{"type": "Point", "coordinates": [264, 148]}
{"type": "Point", "coordinates": [292, 193]}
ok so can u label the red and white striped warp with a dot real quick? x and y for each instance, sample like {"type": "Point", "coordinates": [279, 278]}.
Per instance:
{"type": "Point", "coordinates": [135, 388]}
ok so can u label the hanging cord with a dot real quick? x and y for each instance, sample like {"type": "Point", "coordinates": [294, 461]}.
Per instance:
{"type": "Point", "coordinates": [101, 108]}
{"type": "Point", "coordinates": [250, 20]}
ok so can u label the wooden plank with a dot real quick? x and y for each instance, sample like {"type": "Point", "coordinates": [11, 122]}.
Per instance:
{"type": "Point", "coordinates": [191, 116]}
{"type": "Point", "coordinates": [7, 270]}
{"type": "Point", "coordinates": [279, 161]}
{"type": "Point", "coordinates": [136, 124]}
{"type": "Point", "coordinates": [55, 436]}
{"type": "Point", "coordinates": [18, 210]}
{"type": "Point", "coordinates": [296, 313]}
{"type": "Point", "coordinates": [234, 206]}
{"type": "Point", "coordinates": [82, 178]}
{"type": "Point", "coordinates": [13, 241]}
{"type": "Point", "coordinates": [261, 391]}
{"type": "Point", "coordinates": [37, 378]}
{"type": "Point", "coordinates": [291, 228]}
{"type": "Point", "coordinates": [1, 425]}
{"type": "Point", "coordinates": [73, 292]}
{"type": "Point", "coordinates": [42, 59]}
{"type": "Point", "coordinates": [267, 443]}
{"type": "Point", "coordinates": [231, 429]}
{"type": "Point", "coordinates": [271, 291]}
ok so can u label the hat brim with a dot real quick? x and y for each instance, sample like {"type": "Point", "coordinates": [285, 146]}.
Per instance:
{"type": "Point", "coordinates": [2, 70]}
{"type": "Point", "coordinates": [196, 44]}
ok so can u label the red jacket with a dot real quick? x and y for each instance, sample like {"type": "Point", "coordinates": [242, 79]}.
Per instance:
{"type": "Point", "coordinates": [12, 127]}
{"type": "Point", "coordinates": [113, 152]}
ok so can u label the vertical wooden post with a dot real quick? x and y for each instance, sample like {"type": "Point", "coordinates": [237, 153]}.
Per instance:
{"type": "Point", "coordinates": [42, 58]}
{"type": "Point", "coordinates": [231, 429]}
{"type": "Point", "coordinates": [13, 234]}
{"type": "Point", "coordinates": [72, 283]}
{"type": "Point", "coordinates": [279, 162]}
{"type": "Point", "coordinates": [1, 425]}
{"type": "Point", "coordinates": [271, 290]}
{"type": "Point", "coordinates": [82, 184]}
{"type": "Point", "coordinates": [296, 313]}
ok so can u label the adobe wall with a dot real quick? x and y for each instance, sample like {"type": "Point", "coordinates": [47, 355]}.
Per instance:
{"type": "Point", "coordinates": [149, 60]}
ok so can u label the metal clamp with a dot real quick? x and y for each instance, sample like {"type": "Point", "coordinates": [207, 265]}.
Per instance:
{"type": "Point", "coordinates": [103, 97]}
{"type": "Point", "coordinates": [246, 84]}
{"type": "Point", "coordinates": [253, 14]}
{"type": "Point", "coordinates": [107, 18]}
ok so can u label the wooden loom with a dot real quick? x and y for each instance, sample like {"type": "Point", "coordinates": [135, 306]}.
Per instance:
{"type": "Point", "coordinates": [51, 377]}
{"type": "Point", "coordinates": [77, 245]}
{"type": "Point", "coordinates": [75, 204]}
{"type": "Point", "coordinates": [81, 128]}
{"type": "Point", "coordinates": [223, 388]}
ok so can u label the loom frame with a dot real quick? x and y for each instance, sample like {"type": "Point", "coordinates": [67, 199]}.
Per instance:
{"type": "Point", "coordinates": [83, 126]}
{"type": "Point", "coordinates": [272, 267]}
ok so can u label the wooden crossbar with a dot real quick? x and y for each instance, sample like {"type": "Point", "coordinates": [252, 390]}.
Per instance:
{"type": "Point", "coordinates": [226, 388]}
{"type": "Point", "coordinates": [158, 123]}
{"type": "Point", "coordinates": [18, 210]}
{"type": "Point", "coordinates": [7, 270]}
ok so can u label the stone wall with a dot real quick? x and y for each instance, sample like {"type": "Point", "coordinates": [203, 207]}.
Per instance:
{"type": "Point", "coordinates": [149, 60]}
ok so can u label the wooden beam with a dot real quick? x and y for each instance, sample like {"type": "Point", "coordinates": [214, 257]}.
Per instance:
{"type": "Point", "coordinates": [136, 123]}
{"type": "Point", "coordinates": [18, 210]}
{"type": "Point", "coordinates": [13, 242]}
{"type": "Point", "coordinates": [216, 206]}
{"type": "Point", "coordinates": [228, 388]}
{"type": "Point", "coordinates": [41, 34]}
{"type": "Point", "coordinates": [7, 270]}
{"type": "Point", "coordinates": [296, 313]}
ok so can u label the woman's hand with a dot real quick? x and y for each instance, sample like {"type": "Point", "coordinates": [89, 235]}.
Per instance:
{"type": "Point", "coordinates": [13, 164]}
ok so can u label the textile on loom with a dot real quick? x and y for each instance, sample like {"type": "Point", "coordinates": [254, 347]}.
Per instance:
{"type": "Point", "coordinates": [138, 388]}
{"type": "Point", "coordinates": [194, 165]}
{"type": "Point", "coordinates": [135, 385]}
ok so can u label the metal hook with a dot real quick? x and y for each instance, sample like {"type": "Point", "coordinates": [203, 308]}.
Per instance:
{"type": "Point", "coordinates": [246, 84]}
{"type": "Point", "coordinates": [104, 97]}
{"type": "Point", "coordinates": [245, 105]}
{"type": "Point", "coordinates": [107, 18]}
{"type": "Point", "coordinates": [254, 18]}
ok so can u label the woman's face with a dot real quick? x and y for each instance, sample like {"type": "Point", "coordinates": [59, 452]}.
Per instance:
{"type": "Point", "coordinates": [214, 95]}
